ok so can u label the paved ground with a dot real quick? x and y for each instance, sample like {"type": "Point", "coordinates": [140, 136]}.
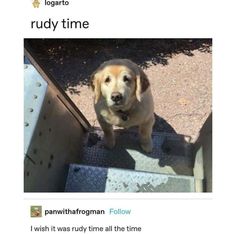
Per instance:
{"type": "Point", "coordinates": [180, 72]}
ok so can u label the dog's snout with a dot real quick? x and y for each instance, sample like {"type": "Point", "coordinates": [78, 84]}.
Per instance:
{"type": "Point", "coordinates": [116, 96]}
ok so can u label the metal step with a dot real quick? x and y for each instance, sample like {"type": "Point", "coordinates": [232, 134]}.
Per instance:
{"type": "Point", "coordinates": [97, 179]}
{"type": "Point", "coordinates": [171, 153]}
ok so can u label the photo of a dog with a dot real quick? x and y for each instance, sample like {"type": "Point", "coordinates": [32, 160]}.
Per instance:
{"type": "Point", "coordinates": [117, 115]}
{"type": "Point", "coordinates": [123, 98]}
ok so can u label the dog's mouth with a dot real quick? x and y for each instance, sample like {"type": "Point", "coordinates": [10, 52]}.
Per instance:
{"type": "Point", "coordinates": [118, 103]}
{"type": "Point", "coordinates": [124, 104]}
{"type": "Point", "coordinates": [116, 106]}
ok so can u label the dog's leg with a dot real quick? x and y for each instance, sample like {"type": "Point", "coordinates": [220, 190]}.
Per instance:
{"type": "Point", "coordinates": [109, 137]}
{"type": "Point", "coordinates": [145, 135]}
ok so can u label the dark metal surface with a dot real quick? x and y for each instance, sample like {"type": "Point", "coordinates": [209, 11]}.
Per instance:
{"type": "Point", "coordinates": [127, 153]}
{"type": "Point", "coordinates": [86, 179]}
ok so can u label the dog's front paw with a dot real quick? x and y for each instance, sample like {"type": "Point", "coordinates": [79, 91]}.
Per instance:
{"type": "Point", "coordinates": [147, 146]}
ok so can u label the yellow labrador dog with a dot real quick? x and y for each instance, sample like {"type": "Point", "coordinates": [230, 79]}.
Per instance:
{"type": "Point", "coordinates": [123, 98]}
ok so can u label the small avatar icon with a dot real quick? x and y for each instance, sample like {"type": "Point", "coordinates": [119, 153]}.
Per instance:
{"type": "Point", "coordinates": [36, 3]}
{"type": "Point", "coordinates": [36, 211]}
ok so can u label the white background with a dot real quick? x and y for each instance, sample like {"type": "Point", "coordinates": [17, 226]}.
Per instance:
{"type": "Point", "coordinates": [158, 213]}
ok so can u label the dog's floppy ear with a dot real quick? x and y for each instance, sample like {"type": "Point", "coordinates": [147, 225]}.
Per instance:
{"type": "Point", "coordinates": [142, 83]}
{"type": "Point", "coordinates": [95, 84]}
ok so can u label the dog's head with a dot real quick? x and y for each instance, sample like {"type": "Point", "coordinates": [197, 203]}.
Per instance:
{"type": "Point", "coordinates": [119, 81]}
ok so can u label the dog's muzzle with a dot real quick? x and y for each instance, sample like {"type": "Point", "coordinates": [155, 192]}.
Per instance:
{"type": "Point", "coordinates": [117, 98]}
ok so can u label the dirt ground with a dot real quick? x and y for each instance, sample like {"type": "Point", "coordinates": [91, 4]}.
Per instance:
{"type": "Point", "coordinates": [180, 72]}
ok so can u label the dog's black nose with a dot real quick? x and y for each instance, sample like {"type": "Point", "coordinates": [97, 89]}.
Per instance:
{"type": "Point", "coordinates": [116, 96]}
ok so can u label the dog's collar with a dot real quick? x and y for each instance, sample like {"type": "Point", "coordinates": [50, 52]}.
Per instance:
{"type": "Point", "coordinates": [124, 115]}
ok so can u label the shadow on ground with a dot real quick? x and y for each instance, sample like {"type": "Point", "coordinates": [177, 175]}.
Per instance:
{"type": "Point", "coordinates": [161, 125]}
{"type": "Point", "coordinates": [171, 152]}
{"type": "Point", "coordinates": [71, 61]}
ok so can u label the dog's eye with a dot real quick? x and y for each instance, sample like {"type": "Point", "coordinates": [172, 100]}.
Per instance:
{"type": "Point", "coordinates": [125, 78]}
{"type": "Point", "coordinates": [108, 79]}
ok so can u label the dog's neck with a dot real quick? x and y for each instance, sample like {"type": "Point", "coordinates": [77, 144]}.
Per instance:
{"type": "Point", "coordinates": [123, 114]}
